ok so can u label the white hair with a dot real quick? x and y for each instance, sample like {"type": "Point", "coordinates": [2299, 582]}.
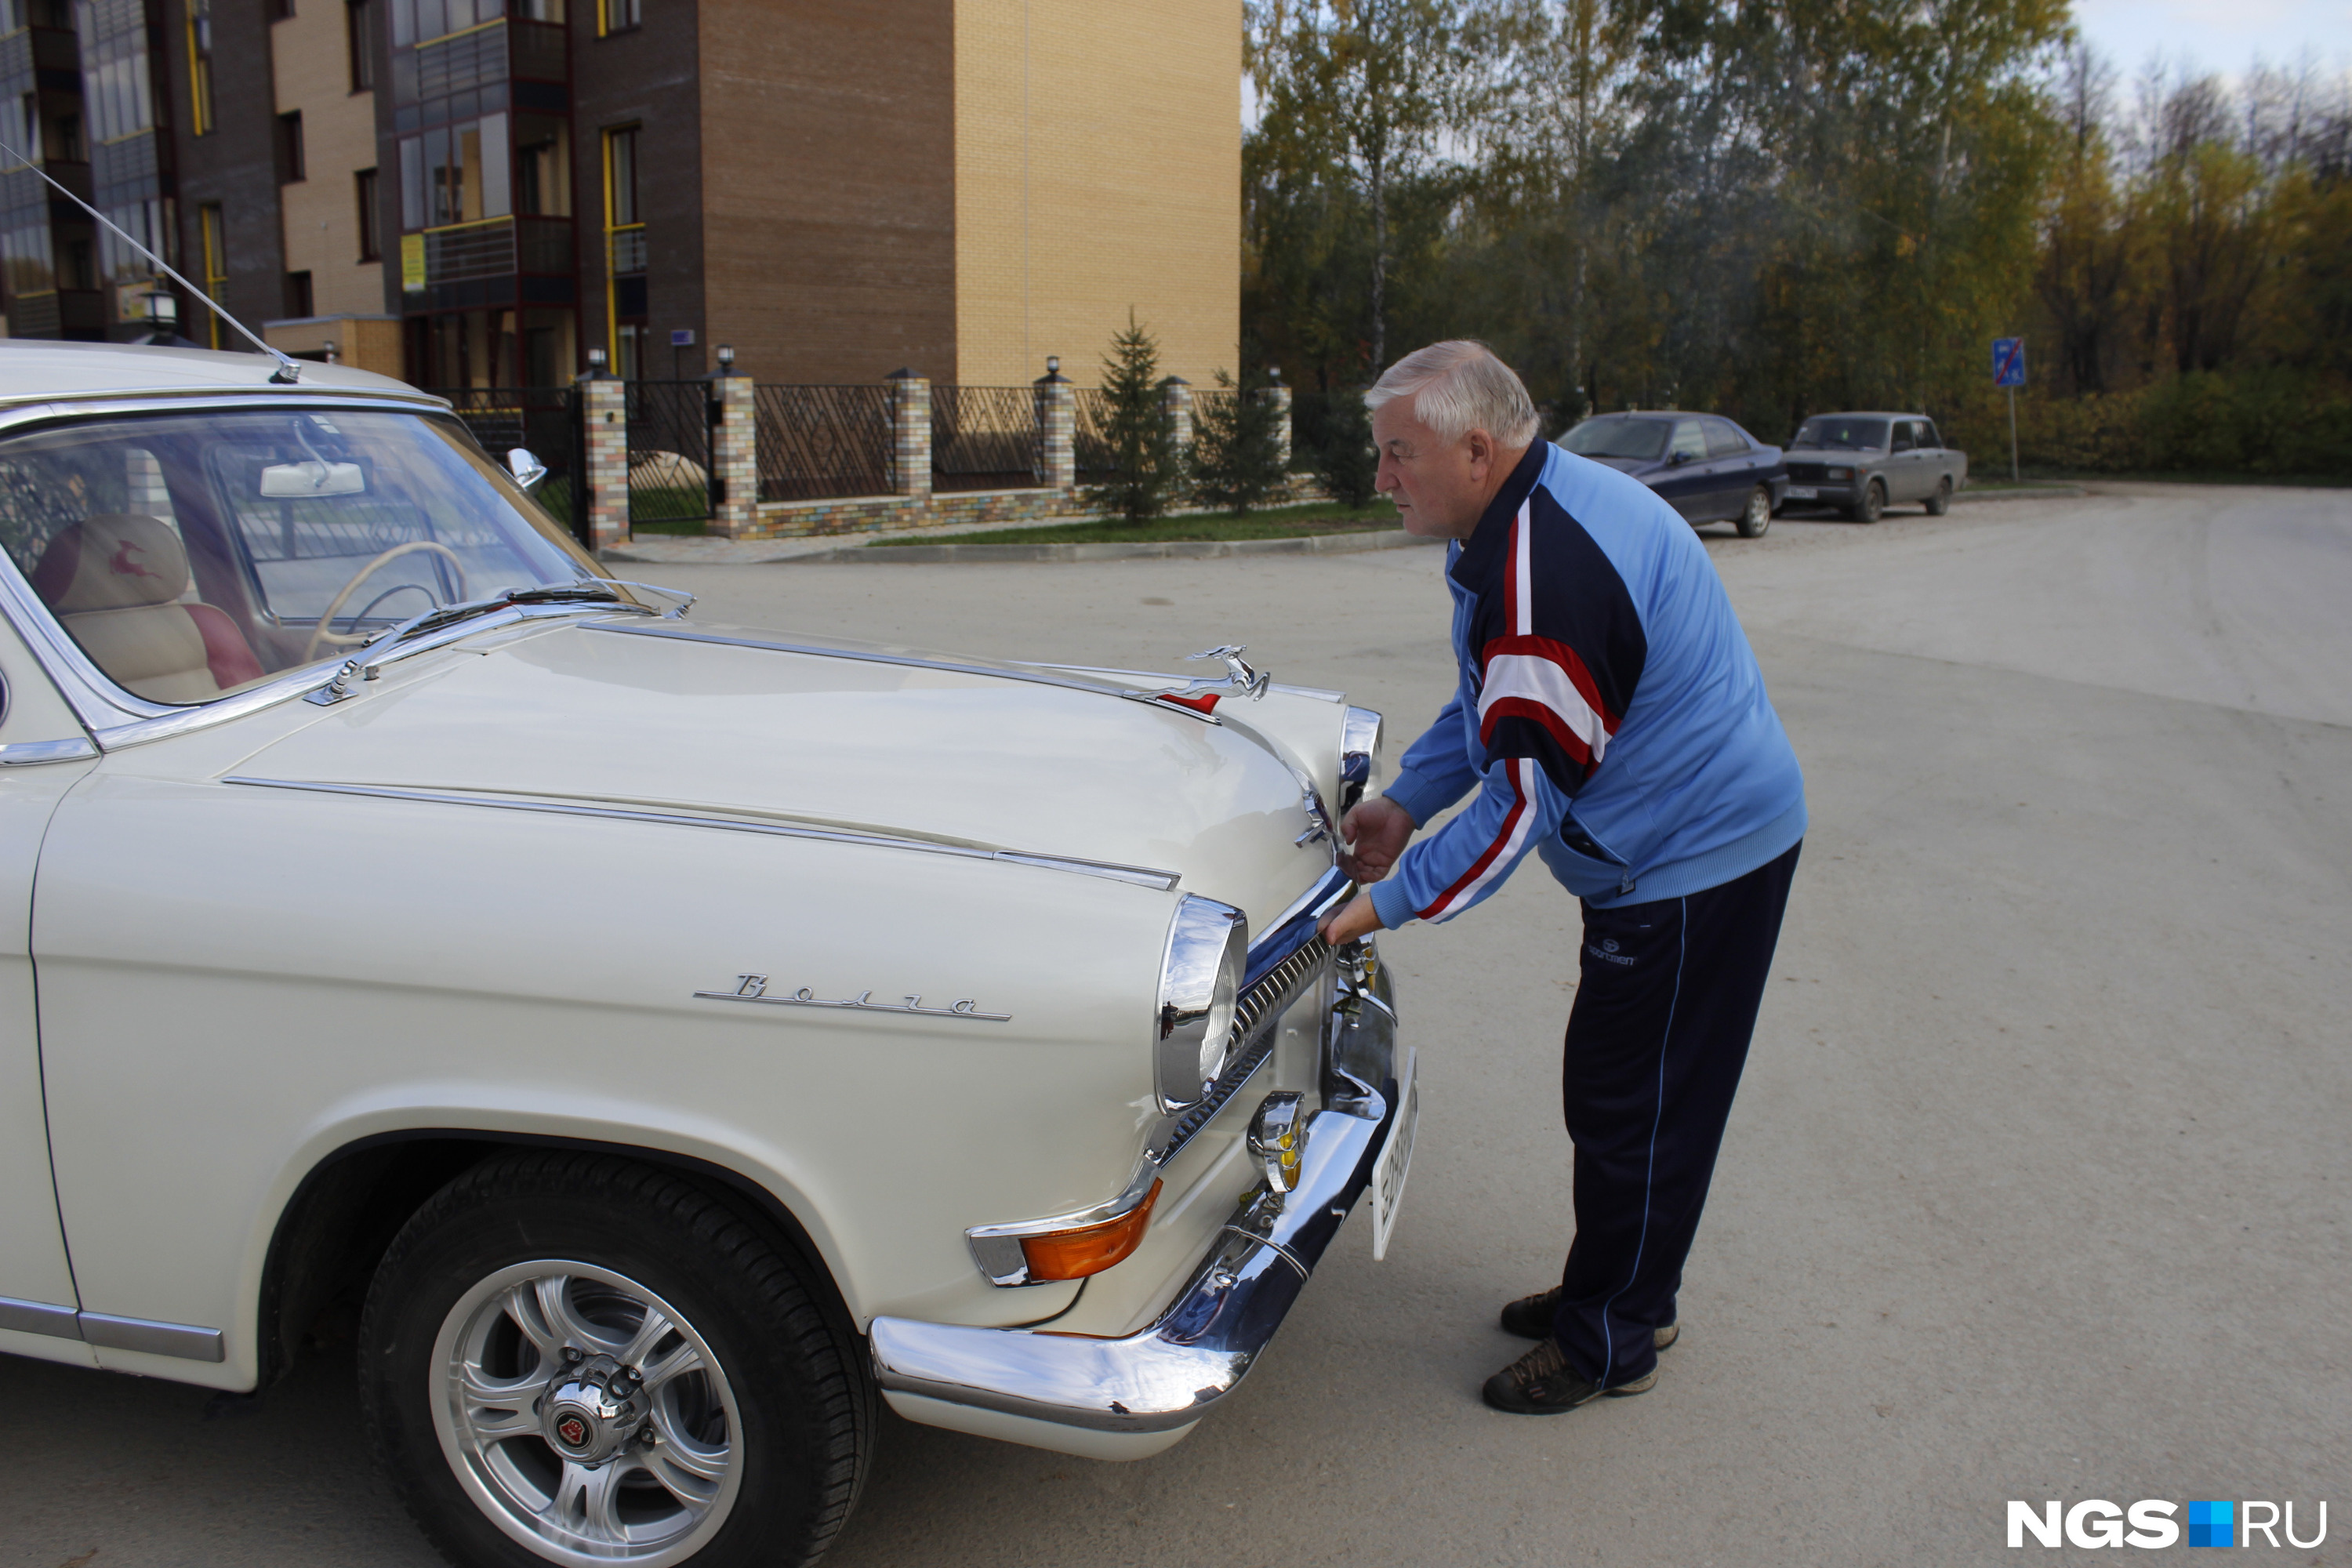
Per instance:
{"type": "Point", "coordinates": [1459, 387]}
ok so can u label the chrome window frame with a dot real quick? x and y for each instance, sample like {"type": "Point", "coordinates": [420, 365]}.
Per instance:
{"type": "Point", "coordinates": [116, 717]}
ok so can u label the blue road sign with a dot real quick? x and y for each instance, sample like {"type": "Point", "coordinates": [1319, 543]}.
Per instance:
{"type": "Point", "coordinates": [2008, 362]}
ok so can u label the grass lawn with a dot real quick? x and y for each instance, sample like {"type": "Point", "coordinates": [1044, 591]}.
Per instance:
{"type": "Point", "coordinates": [1277, 523]}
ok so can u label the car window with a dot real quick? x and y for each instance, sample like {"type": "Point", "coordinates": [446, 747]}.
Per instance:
{"type": "Point", "coordinates": [1689, 442]}
{"type": "Point", "coordinates": [1929, 436]}
{"type": "Point", "coordinates": [1615, 435]}
{"type": "Point", "coordinates": [1900, 441]}
{"type": "Point", "coordinates": [189, 554]}
{"type": "Point", "coordinates": [1839, 432]}
{"type": "Point", "coordinates": [1724, 439]}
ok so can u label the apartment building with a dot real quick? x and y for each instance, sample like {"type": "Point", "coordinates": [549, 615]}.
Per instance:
{"type": "Point", "coordinates": [478, 192]}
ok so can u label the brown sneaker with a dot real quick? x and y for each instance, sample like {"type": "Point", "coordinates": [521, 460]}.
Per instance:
{"type": "Point", "coordinates": [1542, 1383]}
{"type": "Point", "coordinates": [1530, 1317]}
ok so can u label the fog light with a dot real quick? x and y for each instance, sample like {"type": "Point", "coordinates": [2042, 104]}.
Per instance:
{"type": "Point", "coordinates": [1277, 1136]}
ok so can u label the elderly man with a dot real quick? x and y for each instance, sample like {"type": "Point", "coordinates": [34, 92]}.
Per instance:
{"type": "Point", "coordinates": [1609, 715]}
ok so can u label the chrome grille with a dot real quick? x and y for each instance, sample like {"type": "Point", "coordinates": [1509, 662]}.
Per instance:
{"type": "Point", "coordinates": [1254, 1014]}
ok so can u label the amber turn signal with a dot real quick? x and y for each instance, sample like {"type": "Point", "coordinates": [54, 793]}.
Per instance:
{"type": "Point", "coordinates": [1091, 1249]}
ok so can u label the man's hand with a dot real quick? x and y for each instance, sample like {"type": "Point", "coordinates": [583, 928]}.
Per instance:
{"type": "Point", "coordinates": [1378, 830]}
{"type": "Point", "coordinates": [1351, 920]}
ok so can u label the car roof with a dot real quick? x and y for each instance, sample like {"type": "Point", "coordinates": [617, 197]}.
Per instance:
{"type": "Point", "coordinates": [43, 370]}
{"type": "Point", "coordinates": [1867, 414]}
{"type": "Point", "coordinates": [1654, 414]}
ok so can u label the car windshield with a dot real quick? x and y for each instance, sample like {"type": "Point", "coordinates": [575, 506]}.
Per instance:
{"type": "Point", "coordinates": [1834, 430]}
{"type": "Point", "coordinates": [1614, 436]}
{"type": "Point", "coordinates": [190, 555]}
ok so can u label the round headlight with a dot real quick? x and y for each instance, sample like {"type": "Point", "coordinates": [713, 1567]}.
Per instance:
{"type": "Point", "coordinates": [1208, 950]}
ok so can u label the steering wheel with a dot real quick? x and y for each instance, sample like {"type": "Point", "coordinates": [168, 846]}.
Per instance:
{"type": "Point", "coordinates": [343, 639]}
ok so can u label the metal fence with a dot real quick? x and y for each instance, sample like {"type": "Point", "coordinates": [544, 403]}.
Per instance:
{"type": "Point", "coordinates": [1090, 431]}
{"type": "Point", "coordinates": [986, 438]}
{"type": "Point", "coordinates": [669, 452]}
{"type": "Point", "coordinates": [818, 443]}
{"type": "Point", "coordinates": [544, 420]}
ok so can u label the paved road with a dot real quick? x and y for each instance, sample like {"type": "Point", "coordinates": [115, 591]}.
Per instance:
{"type": "Point", "coordinates": [2037, 1187]}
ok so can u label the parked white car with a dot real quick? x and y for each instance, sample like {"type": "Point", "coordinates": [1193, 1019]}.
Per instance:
{"type": "Point", "coordinates": [675, 1037]}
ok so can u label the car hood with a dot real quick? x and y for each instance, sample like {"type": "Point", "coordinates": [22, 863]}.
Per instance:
{"type": "Point", "coordinates": [718, 720]}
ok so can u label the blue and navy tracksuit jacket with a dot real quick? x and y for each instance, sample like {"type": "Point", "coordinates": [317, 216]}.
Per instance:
{"type": "Point", "coordinates": [1609, 711]}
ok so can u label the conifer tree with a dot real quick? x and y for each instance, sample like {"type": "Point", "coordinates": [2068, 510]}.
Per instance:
{"type": "Point", "coordinates": [1237, 458]}
{"type": "Point", "coordinates": [1346, 462]}
{"type": "Point", "coordinates": [1143, 464]}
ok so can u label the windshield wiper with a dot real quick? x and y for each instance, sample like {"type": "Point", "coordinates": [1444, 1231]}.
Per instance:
{"type": "Point", "coordinates": [377, 648]}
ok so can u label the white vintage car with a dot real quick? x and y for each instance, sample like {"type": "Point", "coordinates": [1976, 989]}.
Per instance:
{"type": "Point", "coordinates": [674, 1038]}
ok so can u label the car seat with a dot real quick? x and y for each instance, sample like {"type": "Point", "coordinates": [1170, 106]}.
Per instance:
{"type": "Point", "coordinates": [114, 582]}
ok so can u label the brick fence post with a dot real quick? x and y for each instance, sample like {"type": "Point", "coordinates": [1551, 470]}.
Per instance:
{"type": "Point", "coordinates": [605, 412]}
{"type": "Point", "coordinates": [734, 450]}
{"type": "Point", "coordinates": [1279, 395]}
{"type": "Point", "coordinates": [910, 440]}
{"type": "Point", "coordinates": [1178, 394]}
{"type": "Point", "coordinates": [1057, 429]}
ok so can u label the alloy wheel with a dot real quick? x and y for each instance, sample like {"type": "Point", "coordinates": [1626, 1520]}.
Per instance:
{"type": "Point", "coordinates": [585, 1416]}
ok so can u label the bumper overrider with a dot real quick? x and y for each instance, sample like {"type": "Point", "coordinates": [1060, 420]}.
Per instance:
{"type": "Point", "coordinates": [1132, 1397]}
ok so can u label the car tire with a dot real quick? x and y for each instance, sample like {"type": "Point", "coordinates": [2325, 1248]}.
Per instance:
{"type": "Point", "coordinates": [1872, 505]}
{"type": "Point", "coordinates": [1942, 502]}
{"type": "Point", "coordinates": [529, 1279]}
{"type": "Point", "coordinates": [1757, 517]}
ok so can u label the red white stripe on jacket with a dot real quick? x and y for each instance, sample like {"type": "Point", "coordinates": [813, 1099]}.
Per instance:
{"type": "Point", "coordinates": [1528, 676]}
{"type": "Point", "coordinates": [1501, 855]}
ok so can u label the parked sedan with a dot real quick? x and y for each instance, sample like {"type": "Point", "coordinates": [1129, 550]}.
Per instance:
{"type": "Point", "coordinates": [1866, 462]}
{"type": "Point", "coordinates": [675, 1040]}
{"type": "Point", "coordinates": [1709, 468]}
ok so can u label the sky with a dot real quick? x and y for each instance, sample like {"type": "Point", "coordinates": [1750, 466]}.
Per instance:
{"type": "Point", "coordinates": [2224, 35]}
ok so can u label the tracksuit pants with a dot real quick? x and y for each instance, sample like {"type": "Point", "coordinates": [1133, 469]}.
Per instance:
{"type": "Point", "coordinates": [1664, 1007]}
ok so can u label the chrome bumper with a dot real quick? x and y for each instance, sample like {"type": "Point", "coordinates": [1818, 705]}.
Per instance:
{"type": "Point", "coordinates": [1168, 1375]}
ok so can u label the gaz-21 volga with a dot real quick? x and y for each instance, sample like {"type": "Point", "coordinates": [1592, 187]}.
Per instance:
{"type": "Point", "coordinates": [671, 1040]}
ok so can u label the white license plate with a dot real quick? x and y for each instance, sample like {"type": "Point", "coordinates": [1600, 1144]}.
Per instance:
{"type": "Point", "coordinates": [1803, 492]}
{"type": "Point", "coordinates": [1396, 1159]}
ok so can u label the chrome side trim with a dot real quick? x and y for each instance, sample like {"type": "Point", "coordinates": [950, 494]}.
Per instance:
{"type": "Point", "coordinates": [39, 1318]}
{"type": "Point", "coordinates": [996, 1248]}
{"type": "Point", "coordinates": [184, 1340]}
{"type": "Point", "coordinates": [29, 754]}
{"type": "Point", "coordinates": [1141, 875]}
{"type": "Point", "coordinates": [1315, 693]}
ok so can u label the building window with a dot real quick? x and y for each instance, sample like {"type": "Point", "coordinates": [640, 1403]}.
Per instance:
{"type": "Point", "coordinates": [625, 252]}
{"type": "Point", "coordinates": [200, 66]}
{"type": "Point", "coordinates": [81, 265]}
{"type": "Point", "coordinates": [66, 140]}
{"type": "Point", "coordinates": [359, 16]}
{"type": "Point", "coordinates": [290, 149]}
{"type": "Point", "coordinates": [27, 128]}
{"type": "Point", "coordinates": [212, 236]}
{"type": "Point", "coordinates": [297, 295]}
{"type": "Point", "coordinates": [371, 226]}
{"type": "Point", "coordinates": [618, 16]}
{"type": "Point", "coordinates": [279, 10]}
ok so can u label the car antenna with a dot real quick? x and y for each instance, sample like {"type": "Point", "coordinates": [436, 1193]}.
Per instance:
{"type": "Point", "coordinates": [289, 369]}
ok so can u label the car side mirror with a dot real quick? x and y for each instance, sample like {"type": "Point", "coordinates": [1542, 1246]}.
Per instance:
{"type": "Point", "coordinates": [527, 469]}
{"type": "Point", "coordinates": [1677, 459]}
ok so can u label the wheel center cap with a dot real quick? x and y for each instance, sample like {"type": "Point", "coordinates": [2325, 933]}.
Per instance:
{"type": "Point", "coordinates": [592, 1408]}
